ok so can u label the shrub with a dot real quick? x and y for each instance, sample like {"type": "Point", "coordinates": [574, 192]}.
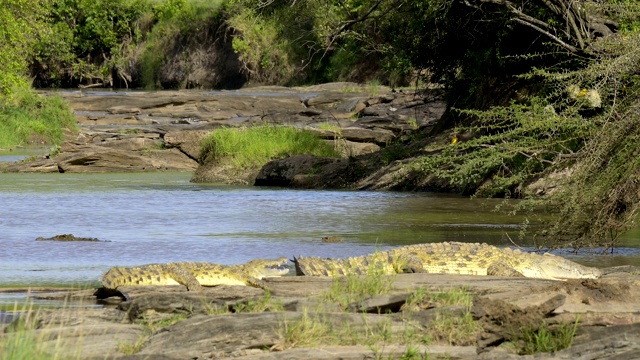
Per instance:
{"type": "Point", "coordinates": [27, 118]}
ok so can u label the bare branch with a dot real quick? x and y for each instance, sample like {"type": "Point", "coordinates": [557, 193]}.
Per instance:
{"type": "Point", "coordinates": [571, 48]}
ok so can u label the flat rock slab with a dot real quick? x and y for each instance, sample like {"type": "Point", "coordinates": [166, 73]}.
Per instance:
{"type": "Point", "coordinates": [225, 335]}
{"type": "Point", "coordinates": [74, 332]}
{"type": "Point", "coordinates": [359, 352]}
{"type": "Point", "coordinates": [608, 325]}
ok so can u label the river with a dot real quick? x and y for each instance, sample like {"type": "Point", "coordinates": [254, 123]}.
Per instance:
{"type": "Point", "coordinates": [161, 217]}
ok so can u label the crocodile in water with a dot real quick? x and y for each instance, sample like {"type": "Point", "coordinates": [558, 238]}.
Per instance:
{"type": "Point", "coordinates": [450, 258]}
{"type": "Point", "coordinates": [194, 275]}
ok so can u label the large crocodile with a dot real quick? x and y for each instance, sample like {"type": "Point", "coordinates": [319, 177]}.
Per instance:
{"type": "Point", "coordinates": [194, 275]}
{"type": "Point", "coordinates": [450, 258]}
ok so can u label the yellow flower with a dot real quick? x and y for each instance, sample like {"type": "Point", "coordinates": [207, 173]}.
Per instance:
{"type": "Point", "coordinates": [583, 92]}
{"type": "Point", "coordinates": [454, 140]}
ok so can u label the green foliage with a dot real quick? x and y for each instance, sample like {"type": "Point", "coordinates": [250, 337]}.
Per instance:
{"type": "Point", "coordinates": [532, 340]}
{"type": "Point", "coordinates": [458, 330]}
{"type": "Point", "coordinates": [21, 22]}
{"type": "Point", "coordinates": [27, 118]}
{"type": "Point", "coordinates": [178, 26]}
{"type": "Point", "coordinates": [518, 144]}
{"type": "Point", "coordinates": [420, 298]}
{"type": "Point", "coordinates": [265, 303]}
{"type": "Point", "coordinates": [568, 111]}
{"type": "Point", "coordinates": [22, 345]}
{"type": "Point", "coordinates": [19, 340]}
{"type": "Point", "coordinates": [447, 327]}
{"type": "Point", "coordinates": [268, 44]}
{"type": "Point", "coordinates": [83, 40]}
{"type": "Point", "coordinates": [253, 147]}
{"type": "Point", "coordinates": [309, 330]}
{"type": "Point", "coordinates": [354, 288]}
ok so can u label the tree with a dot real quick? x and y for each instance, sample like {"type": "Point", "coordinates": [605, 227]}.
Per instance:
{"type": "Point", "coordinates": [21, 22]}
{"type": "Point", "coordinates": [539, 86]}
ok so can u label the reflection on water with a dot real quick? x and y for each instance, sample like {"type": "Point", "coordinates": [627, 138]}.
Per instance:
{"type": "Point", "coordinates": [154, 217]}
{"type": "Point", "coordinates": [13, 155]}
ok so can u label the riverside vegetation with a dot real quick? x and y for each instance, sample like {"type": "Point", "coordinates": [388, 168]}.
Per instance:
{"type": "Point", "coordinates": [250, 148]}
{"type": "Point", "coordinates": [544, 91]}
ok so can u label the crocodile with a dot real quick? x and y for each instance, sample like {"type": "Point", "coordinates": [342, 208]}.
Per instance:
{"type": "Point", "coordinates": [450, 258]}
{"type": "Point", "coordinates": [195, 275]}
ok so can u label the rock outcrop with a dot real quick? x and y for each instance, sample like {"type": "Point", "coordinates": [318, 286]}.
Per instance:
{"type": "Point", "coordinates": [163, 131]}
{"type": "Point", "coordinates": [297, 320]}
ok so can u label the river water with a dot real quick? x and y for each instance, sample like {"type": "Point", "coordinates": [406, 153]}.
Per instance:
{"type": "Point", "coordinates": [161, 217]}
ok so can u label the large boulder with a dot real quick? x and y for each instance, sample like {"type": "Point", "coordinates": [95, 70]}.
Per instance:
{"type": "Point", "coordinates": [292, 171]}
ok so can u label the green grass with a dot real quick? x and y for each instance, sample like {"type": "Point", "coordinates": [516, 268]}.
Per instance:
{"type": "Point", "coordinates": [460, 330]}
{"type": "Point", "coordinates": [21, 341]}
{"type": "Point", "coordinates": [330, 127]}
{"type": "Point", "coordinates": [27, 118]}
{"type": "Point", "coordinates": [250, 148]}
{"type": "Point", "coordinates": [309, 330]}
{"type": "Point", "coordinates": [448, 328]}
{"type": "Point", "coordinates": [22, 345]}
{"type": "Point", "coordinates": [455, 296]}
{"type": "Point", "coordinates": [357, 287]}
{"type": "Point", "coordinates": [531, 340]}
{"type": "Point", "coordinates": [265, 303]}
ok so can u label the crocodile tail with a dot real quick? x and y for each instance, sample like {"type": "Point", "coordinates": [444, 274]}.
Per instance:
{"type": "Point", "coordinates": [314, 266]}
{"type": "Point", "coordinates": [108, 278]}
{"type": "Point", "coordinates": [311, 266]}
{"type": "Point", "coordinates": [296, 262]}
{"type": "Point", "coordinates": [113, 278]}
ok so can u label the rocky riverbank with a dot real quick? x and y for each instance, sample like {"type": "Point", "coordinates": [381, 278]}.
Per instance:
{"type": "Point", "coordinates": [299, 319]}
{"type": "Point", "coordinates": [162, 131]}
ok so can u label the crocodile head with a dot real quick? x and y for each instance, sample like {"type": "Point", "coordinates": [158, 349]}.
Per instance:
{"type": "Point", "coordinates": [550, 266]}
{"type": "Point", "coordinates": [261, 268]}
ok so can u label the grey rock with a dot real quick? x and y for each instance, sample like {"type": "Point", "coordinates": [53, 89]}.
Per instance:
{"type": "Point", "coordinates": [378, 136]}
{"type": "Point", "coordinates": [187, 141]}
{"type": "Point", "coordinates": [380, 304]}
{"type": "Point", "coordinates": [132, 143]}
{"type": "Point", "coordinates": [359, 352]}
{"type": "Point", "coordinates": [281, 172]}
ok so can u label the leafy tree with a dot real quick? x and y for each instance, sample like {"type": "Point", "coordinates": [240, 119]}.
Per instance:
{"type": "Point", "coordinates": [21, 22]}
{"type": "Point", "coordinates": [84, 39]}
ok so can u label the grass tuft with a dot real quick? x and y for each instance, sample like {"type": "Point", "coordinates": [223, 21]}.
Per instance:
{"type": "Point", "coordinates": [357, 287]}
{"type": "Point", "coordinates": [306, 331]}
{"type": "Point", "coordinates": [250, 148]}
{"type": "Point", "coordinates": [531, 340]}
{"type": "Point", "coordinates": [265, 303]}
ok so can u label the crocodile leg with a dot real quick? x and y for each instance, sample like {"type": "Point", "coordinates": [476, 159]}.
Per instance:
{"type": "Point", "coordinates": [184, 277]}
{"type": "Point", "coordinates": [258, 283]}
{"type": "Point", "coordinates": [408, 264]}
{"type": "Point", "coordinates": [502, 269]}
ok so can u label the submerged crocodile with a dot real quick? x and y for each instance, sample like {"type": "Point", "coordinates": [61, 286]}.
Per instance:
{"type": "Point", "coordinates": [195, 275]}
{"type": "Point", "coordinates": [450, 258]}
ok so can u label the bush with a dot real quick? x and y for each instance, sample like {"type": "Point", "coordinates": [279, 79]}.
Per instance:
{"type": "Point", "coordinates": [27, 118]}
